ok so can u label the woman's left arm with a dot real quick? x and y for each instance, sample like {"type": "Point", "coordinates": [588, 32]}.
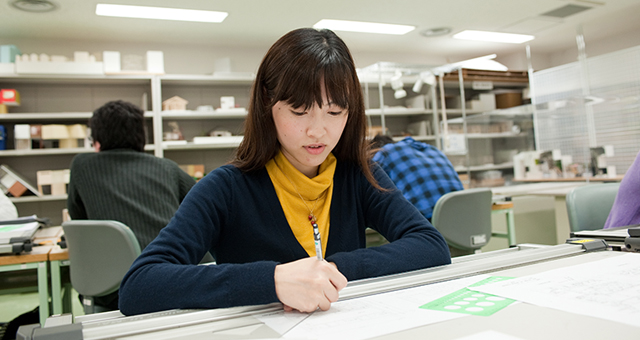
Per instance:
{"type": "Point", "coordinates": [414, 242]}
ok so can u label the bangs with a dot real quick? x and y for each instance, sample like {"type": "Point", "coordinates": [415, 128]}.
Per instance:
{"type": "Point", "coordinates": [305, 86]}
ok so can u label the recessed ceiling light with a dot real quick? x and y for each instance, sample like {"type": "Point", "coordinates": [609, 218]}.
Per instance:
{"type": "Point", "coordinates": [493, 36]}
{"type": "Point", "coordinates": [162, 13]}
{"type": "Point", "coordinates": [34, 6]}
{"type": "Point", "coordinates": [436, 32]}
{"type": "Point", "coordinates": [363, 27]}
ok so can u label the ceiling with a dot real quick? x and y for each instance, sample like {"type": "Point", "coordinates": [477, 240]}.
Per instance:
{"type": "Point", "coordinates": [258, 23]}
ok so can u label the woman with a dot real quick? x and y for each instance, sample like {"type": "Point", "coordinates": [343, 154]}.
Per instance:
{"type": "Point", "coordinates": [301, 174]}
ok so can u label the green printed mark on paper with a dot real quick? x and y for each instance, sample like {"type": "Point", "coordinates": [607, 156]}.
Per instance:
{"type": "Point", "coordinates": [8, 228]}
{"type": "Point", "coordinates": [467, 301]}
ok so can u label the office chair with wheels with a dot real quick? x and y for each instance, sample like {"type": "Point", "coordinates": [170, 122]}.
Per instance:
{"type": "Point", "coordinates": [464, 219]}
{"type": "Point", "coordinates": [589, 206]}
{"type": "Point", "coordinates": [100, 254]}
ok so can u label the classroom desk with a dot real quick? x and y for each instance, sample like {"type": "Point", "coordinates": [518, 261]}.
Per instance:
{"type": "Point", "coordinates": [563, 228]}
{"type": "Point", "coordinates": [35, 259]}
{"type": "Point", "coordinates": [518, 320]}
{"type": "Point", "coordinates": [60, 292]}
{"type": "Point", "coordinates": [575, 179]}
{"type": "Point", "coordinates": [39, 258]}
{"type": "Point", "coordinates": [505, 208]}
{"type": "Point", "coordinates": [556, 190]}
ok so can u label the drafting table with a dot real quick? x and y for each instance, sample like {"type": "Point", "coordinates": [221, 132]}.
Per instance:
{"type": "Point", "coordinates": [522, 320]}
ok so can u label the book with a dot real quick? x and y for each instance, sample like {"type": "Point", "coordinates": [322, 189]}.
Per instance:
{"type": "Point", "coordinates": [13, 184]}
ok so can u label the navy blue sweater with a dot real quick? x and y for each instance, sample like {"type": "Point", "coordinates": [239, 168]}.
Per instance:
{"type": "Point", "coordinates": [237, 216]}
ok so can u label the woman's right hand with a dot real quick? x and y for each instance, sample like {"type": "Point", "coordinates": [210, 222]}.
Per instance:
{"type": "Point", "coordinates": [308, 284]}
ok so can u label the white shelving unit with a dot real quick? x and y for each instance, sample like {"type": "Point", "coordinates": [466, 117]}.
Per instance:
{"type": "Point", "coordinates": [483, 151]}
{"type": "Point", "coordinates": [71, 99]}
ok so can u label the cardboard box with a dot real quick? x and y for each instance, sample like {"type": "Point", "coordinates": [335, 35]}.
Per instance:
{"type": "Point", "coordinates": [509, 99]}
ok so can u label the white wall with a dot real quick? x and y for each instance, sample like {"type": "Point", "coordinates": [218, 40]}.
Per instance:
{"type": "Point", "coordinates": [595, 48]}
{"type": "Point", "coordinates": [195, 59]}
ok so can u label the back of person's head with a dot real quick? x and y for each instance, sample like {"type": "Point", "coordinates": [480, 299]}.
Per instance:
{"type": "Point", "coordinates": [118, 125]}
{"type": "Point", "coordinates": [381, 140]}
{"type": "Point", "coordinates": [294, 70]}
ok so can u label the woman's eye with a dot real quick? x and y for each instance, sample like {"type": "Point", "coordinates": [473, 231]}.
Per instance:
{"type": "Point", "coordinates": [297, 113]}
{"type": "Point", "coordinates": [335, 113]}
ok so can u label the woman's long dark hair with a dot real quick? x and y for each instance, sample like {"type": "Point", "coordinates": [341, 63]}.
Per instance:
{"type": "Point", "coordinates": [293, 71]}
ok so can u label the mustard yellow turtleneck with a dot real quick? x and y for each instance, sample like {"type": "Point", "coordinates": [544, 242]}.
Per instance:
{"type": "Point", "coordinates": [319, 188]}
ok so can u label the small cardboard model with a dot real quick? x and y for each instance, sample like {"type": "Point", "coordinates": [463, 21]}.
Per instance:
{"type": "Point", "coordinates": [53, 182]}
{"type": "Point", "coordinates": [174, 103]}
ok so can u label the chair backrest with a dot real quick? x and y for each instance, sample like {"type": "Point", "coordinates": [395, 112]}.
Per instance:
{"type": "Point", "coordinates": [100, 254]}
{"type": "Point", "coordinates": [464, 218]}
{"type": "Point", "coordinates": [588, 206]}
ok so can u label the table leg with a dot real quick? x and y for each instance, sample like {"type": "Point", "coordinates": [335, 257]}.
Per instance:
{"type": "Point", "coordinates": [56, 288]}
{"type": "Point", "coordinates": [511, 227]}
{"type": "Point", "coordinates": [43, 291]}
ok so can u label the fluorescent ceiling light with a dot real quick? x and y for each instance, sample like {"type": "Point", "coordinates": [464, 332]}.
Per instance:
{"type": "Point", "coordinates": [494, 36]}
{"type": "Point", "coordinates": [144, 12]}
{"type": "Point", "coordinates": [364, 27]}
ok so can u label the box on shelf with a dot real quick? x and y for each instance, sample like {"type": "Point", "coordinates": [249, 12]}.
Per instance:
{"type": "Point", "coordinates": [8, 53]}
{"type": "Point", "coordinates": [3, 137]}
{"type": "Point", "coordinates": [155, 62]}
{"type": "Point", "coordinates": [10, 97]}
{"type": "Point", "coordinates": [227, 102]}
{"type": "Point", "coordinates": [508, 99]}
{"type": "Point", "coordinates": [111, 61]}
{"type": "Point", "coordinates": [482, 102]}
{"type": "Point", "coordinates": [22, 136]}
{"type": "Point", "coordinates": [59, 67]}
{"type": "Point", "coordinates": [53, 182]}
{"type": "Point", "coordinates": [7, 68]}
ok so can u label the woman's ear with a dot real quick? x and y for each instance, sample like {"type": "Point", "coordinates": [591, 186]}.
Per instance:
{"type": "Point", "coordinates": [96, 146]}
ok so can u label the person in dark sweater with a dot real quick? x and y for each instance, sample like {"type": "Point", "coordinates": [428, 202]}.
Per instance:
{"type": "Point", "coordinates": [286, 219]}
{"type": "Point", "coordinates": [121, 182]}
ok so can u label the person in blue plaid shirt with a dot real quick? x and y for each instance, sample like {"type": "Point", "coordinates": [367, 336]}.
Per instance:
{"type": "Point", "coordinates": [421, 171]}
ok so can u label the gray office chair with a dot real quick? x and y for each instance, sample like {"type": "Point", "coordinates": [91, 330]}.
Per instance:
{"type": "Point", "coordinates": [589, 206]}
{"type": "Point", "coordinates": [464, 219]}
{"type": "Point", "coordinates": [100, 254]}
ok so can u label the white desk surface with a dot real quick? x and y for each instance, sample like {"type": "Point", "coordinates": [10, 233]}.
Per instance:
{"type": "Point", "coordinates": [527, 189]}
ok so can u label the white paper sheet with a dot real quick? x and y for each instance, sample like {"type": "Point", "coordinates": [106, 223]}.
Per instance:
{"type": "Point", "coordinates": [379, 314]}
{"type": "Point", "coordinates": [607, 289]}
{"type": "Point", "coordinates": [490, 335]}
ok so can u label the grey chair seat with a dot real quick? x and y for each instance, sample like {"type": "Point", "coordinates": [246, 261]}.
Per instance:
{"type": "Point", "coordinates": [464, 219]}
{"type": "Point", "coordinates": [100, 254]}
{"type": "Point", "coordinates": [589, 206]}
